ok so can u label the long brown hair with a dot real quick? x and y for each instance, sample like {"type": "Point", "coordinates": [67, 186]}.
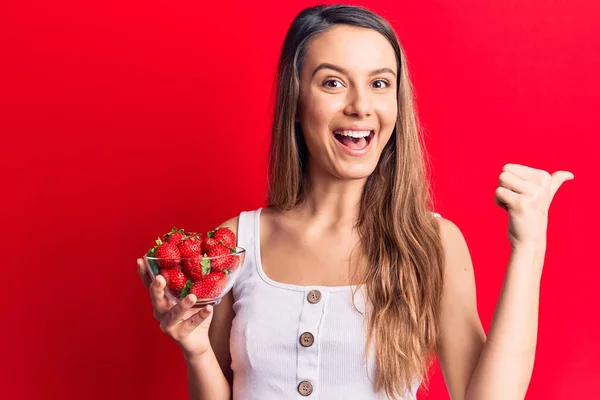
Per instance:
{"type": "Point", "coordinates": [399, 236]}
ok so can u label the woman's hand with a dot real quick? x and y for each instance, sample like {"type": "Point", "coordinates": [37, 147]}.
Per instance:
{"type": "Point", "coordinates": [186, 325]}
{"type": "Point", "coordinates": [526, 193]}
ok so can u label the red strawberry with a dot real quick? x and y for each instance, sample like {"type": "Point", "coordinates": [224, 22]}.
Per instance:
{"type": "Point", "coordinates": [175, 278]}
{"type": "Point", "coordinates": [226, 258]}
{"type": "Point", "coordinates": [210, 286]}
{"type": "Point", "coordinates": [196, 268]}
{"type": "Point", "coordinates": [224, 236]}
{"type": "Point", "coordinates": [191, 252]}
{"type": "Point", "coordinates": [174, 236]}
{"type": "Point", "coordinates": [208, 243]}
{"type": "Point", "coordinates": [168, 254]}
{"type": "Point", "coordinates": [190, 247]}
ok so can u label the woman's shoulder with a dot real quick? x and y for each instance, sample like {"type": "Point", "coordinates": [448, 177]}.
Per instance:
{"type": "Point", "coordinates": [231, 223]}
{"type": "Point", "coordinates": [456, 250]}
{"type": "Point", "coordinates": [234, 221]}
{"type": "Point", "coordinates": [449, 231]}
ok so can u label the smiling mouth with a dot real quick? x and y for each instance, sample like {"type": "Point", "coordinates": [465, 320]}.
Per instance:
{"type": "Point", "coordinates": [355, 140]}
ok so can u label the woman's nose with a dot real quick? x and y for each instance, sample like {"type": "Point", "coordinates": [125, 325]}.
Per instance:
{"type": "Point", "coordinates": [359, 103]}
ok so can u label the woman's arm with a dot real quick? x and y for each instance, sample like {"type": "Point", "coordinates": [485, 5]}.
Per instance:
{"type": "Point", "coordinates": [205, 378]}
{"type": "Point", "coordinates": [506, 363]}
{"type": "Point", "coordinates": [501, 366]}
{"type": "Point", "coordinates": [461, 334]}
{"type": "Point", "coordinates": [209, 375]}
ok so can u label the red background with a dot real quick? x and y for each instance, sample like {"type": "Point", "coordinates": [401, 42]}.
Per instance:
{"type": "Point", "coordinates": [122, 119]}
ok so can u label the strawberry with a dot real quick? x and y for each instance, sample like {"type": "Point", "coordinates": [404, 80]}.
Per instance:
{"type": "Point", "coordinates": [210, 286]}
{"type": "Point", "coordinates": [196, 268]}
{"type": "Point", "coordinates": [167, 253]}
{"type": "Point", "coordinates": [174, 236]}
{"type": "Point", "coordinates": [191, 252]}
{"type": "Point", "coordinates": [224, 236]}
{"type": "Point", "coordinates": [193, 235]}
{"type": "Point", "coordinates": [226, 258]}
{"type": "Point", "coordinates": [208, 243]}
{"type": "Point", "coordinates": [175, 278]}
{"type": "Point", "coordinates": [190, 247]}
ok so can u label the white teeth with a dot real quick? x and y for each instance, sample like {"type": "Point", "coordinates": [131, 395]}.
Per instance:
{"type": "Point", "coordinates": [354, 134]}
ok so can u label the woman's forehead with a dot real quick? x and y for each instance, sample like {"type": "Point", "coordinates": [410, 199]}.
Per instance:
{"type": "Point", "coordinates": [355, 49]}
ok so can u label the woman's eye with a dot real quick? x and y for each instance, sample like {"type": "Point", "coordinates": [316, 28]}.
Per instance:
{"type": "Point", "coordinates": [379, 82]}
{"type": "Point", "coordinates": [330, 83]}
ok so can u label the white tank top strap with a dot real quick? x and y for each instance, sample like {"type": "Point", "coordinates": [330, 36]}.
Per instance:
{"type": "Point", "coordinates": [246, 238]}
{"type": "Point", "coordinates": [246, 229]}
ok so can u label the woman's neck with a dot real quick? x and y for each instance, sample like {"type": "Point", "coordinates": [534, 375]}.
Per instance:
{"type": "Point", "coordinates": [331, 201]}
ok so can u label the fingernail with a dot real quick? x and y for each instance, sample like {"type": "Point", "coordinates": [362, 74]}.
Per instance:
{"type": "Point", "coordinates": [191, 299]}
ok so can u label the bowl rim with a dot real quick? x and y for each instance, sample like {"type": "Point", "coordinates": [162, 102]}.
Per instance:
{"type": "Point", "coordinates": [239, 251]}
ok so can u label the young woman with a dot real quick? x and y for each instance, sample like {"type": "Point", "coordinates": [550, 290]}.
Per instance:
{"type": "Point", "coordinates": [351, 283]}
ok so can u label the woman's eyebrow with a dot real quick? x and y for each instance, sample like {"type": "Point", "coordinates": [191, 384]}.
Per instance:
{"type": "Point", "coordinates": [341, 70]}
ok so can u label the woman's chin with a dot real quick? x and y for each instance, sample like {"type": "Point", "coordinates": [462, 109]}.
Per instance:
{"type": "Point", "coordinates": [354, 172]}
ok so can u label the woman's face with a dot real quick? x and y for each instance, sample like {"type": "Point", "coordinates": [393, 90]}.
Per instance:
{"type": "Point", "coordinates": [348, 104]}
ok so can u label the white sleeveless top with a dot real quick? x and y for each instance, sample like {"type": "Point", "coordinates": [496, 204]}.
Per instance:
{"type": "Point", "coordinates": [296, 342]}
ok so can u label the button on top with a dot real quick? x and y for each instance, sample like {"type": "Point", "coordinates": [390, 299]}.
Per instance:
{"type": "Point", "coordinates": [305, 388]}
{"type": "Point", "coordinates": [307, 339]}
{"type": "Point", "coordinates": [314, 296]}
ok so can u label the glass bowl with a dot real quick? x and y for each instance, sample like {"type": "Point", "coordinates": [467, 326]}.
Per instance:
{"type": "Point", "coordinates": [209, 278]}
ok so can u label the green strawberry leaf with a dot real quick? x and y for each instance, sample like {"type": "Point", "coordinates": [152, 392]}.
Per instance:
{"type": "Point", "coordinates": [226, 271]}
{"type": "Point", "coordinates": [151, 252]}
{"type": "Point", "coordinates": [205, 266]}
{"type": "Point", "coordinates": [159, 242]}
{"type": "Point", "coordinates": [153, 264]}
{"type": "Point", "coordinates": [154, 267]}
{"type": "Point", "coordinates": [186, 289]}
{"type": "Point", "coordinates": [211, 233]}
